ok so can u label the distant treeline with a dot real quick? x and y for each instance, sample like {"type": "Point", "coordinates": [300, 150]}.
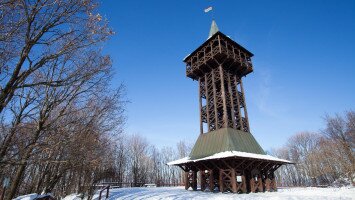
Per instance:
{"type": "Point", "coordinates": [320, 158]}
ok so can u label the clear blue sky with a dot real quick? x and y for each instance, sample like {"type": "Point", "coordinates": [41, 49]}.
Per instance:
{"type": "Point", "coordinates": [304, 63]}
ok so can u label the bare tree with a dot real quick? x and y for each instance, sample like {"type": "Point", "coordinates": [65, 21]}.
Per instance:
{"type": "Point", "coordinates": [320, 158]}
{"type": "Point", "coordinates": [341, 130]}
{"type": "Point", "coordinates": [35, 34]}
{"type": "Point", "coordinates": [183, 150]}
{"type": "Point", "coordinates": [54, 89]}
{"type": "Point", "coordinates": [138, 156]}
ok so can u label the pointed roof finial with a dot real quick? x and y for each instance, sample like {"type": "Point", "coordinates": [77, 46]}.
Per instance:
{"type": "Point", "coordinates": [214, 29]}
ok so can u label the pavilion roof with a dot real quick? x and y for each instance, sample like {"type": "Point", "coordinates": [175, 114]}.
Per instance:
{"type": "Point", "coordinates": [225, 139]}
{"type": "Point", "coordinates": [230, 154]}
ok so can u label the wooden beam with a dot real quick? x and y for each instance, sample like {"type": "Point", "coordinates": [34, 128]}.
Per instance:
{"type": "Point", "coordinates": [226, 164]}
{"type": "Point", "coordinates": [215, 97]}
{"type": "Point", "coordinates": [207, 104]}
{"type": "Point", "coordinates": [238, 102]}
{"type": "Point", "coordinates": [211, 181]}
{"type": "Point", "coordinates": [221, 185]}
{"type": "Point", "coordinates": [233, 181]}
{"type": "Point", "coordinates": [231, 101]}
{"type": "Point", "coordinates": [224, 99]}
{"type": "Point", "coordinates": [200, 103]}
{"type": "Point", "coordinates": [245, 105]}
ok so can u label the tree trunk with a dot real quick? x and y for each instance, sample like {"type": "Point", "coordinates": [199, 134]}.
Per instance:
{"type": "Point", "coordinates": [18, 176]}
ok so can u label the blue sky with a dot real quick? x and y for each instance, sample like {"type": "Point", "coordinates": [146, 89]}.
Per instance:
{"type": "Point", "coordinates": [304, 63]}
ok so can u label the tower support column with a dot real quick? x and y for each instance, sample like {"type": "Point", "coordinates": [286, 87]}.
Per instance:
{"type": "Point", "coordinates": [245, 107]}
{"type": "Point", "coordinates": [215, 99]}
{"type": "Point", "coordinates": [200, 103]}
{"type": "Point", "coordinates": [191, 180]}
{"type": "Point", "coordinates": [224, 99]}
{"type": "Point", "coordinates": [238, 102]}
{"type": "Point", "coordinates": [207, 103]}
{"type": "Point", "coordinates": [232, 109]}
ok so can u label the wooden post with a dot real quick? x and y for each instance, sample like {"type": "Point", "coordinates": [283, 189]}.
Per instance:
{"type": "Point", "coordinates": [194, 180]}
{"type": "Point", "coordinates": [231, 101]}
{"type": "Point", "coordinates": [247, 175]}
{"type": "Point", "coordinates": [273, 184]}
{"type": "Point", "coordinates": [203, 178]}
{"type": "Point", "coordinates": [200, 102]}
{"type": "Point", "coordinates": [224, 99]}
{"type": "Point", "coordinates": [107, 188]}
{"type": "Point", "coordinates": [267, 184]}
{"type": "Point", "coordinates": [252, 185]}
{"type": "Point", "coordinates": [233, 181]}
{"type": "Point", "coordinates": [207, 104]}
{"type": "Point", "coordinates": [245, 105]}
{"type": "Point", "coordinates": [219, 45]}
{"type": "Point", "coordinates": [260, 184]}
{"type": "Point", "coordinates": [244, 185]}
{"type": "Point", "coordinates": [211, 182]}
{"type": "Point", "coordinates": [215, 98]}
{"type": "Point", "coordinates": [187, 181]}
{"type": "Point", "coordinates": [238, 102]}
{"type": "Point", "coordinates": [221, 186]}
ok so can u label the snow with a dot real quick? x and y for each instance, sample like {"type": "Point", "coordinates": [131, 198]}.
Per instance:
{"type": "Point", "coordinates": [180, 193]}
{"type": "Point", "coordinates": [227, 154]}
{"type": "Point", "coordinates": [180, 161]}
{"type": "Point", "coordinates": [72, 197]}
{"type": "Point", "coordinates": [187, 56]}
{"type": "Point", "coordinates": [79, 197]}
{"type": "Point", "coordinates": [27, 197]}
{"type": "Point", "coordinates": [31, 196]}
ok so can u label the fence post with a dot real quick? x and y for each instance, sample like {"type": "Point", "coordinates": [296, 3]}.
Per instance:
{"type": "Point", "coordinates": [108, 190]}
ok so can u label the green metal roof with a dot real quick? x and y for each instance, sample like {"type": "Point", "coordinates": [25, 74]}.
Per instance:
{"type": "Point", "coordinates": [214, 29]}
{"type": "Point", "coordinates": [225, 139]}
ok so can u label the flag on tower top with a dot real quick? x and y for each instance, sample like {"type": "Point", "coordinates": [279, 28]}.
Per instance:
{"type": "Point", "coordinates": [208, 9]}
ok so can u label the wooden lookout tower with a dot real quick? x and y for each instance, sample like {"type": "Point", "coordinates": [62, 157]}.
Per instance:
{"type": "Point", "coordinates": [226, 155]}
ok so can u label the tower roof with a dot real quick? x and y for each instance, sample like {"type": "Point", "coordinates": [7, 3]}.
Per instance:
{"type": "Point", "coordinates": [214, 29]}
{"type": "Point", "coordinates": [225, 139]}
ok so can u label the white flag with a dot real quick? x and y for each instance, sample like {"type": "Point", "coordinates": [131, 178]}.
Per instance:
{"type": "Point", "coordinates": [208, 9]}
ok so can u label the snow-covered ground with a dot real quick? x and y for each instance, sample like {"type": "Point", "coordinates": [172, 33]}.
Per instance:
{"type": "Point", "coordinates": [31, 196]}
{"type": "Point", "coordinates": [180, 193]}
